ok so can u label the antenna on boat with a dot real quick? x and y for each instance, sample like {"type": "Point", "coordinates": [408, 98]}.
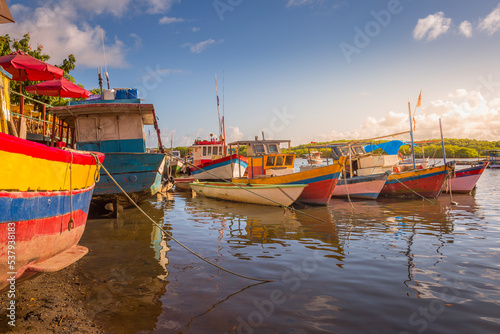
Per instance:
{"type": "Point", "coordinates": [104, 53]}
{"type": "Point", "coordinates": [99, 76]}
{"type": "Point", "coordinates": [223, 117]}
{"type": "Point", "coordinates": [218, 112]}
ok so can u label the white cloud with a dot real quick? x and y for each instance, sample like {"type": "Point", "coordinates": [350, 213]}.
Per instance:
{"type": "Point", "coordinates": [432, 26]}
{"type": "Point", "coordinates": [160, 6]}
{"type": "Point", "coordinates": [169, 20]}
{"type": "Point", "coordinates": [199, 47]}
{"type": "Point", "coordinates": [466, 29]}
{"type": "Point", "coordinates": [137, 40]}
{"type": "Point", "coordinates": [298, 3]}
{"type": "Point", "coordinates": [195, 29]}
{"type": "Point", "coordinates": [491, 23]}
{"type": "Point", "coordinates": [56, 27]}
{"type": "Point", "coordinates": [233, 134]}
{"type": "Point", "coordinates": [464, 114]}
{"type": "Point", "coordinates": [115, 7]}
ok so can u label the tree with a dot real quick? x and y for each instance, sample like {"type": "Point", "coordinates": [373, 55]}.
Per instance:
{"type": "Point", "coordinates": [9, 45]}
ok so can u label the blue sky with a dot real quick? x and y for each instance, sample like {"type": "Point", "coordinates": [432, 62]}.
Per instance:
{"type": "Point", "coordinates": [306, 70]}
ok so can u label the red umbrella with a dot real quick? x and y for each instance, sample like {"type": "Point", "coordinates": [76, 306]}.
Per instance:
{"type": "Point", "coordinates": [61, 87]}
{"type": "Point", "coordinates": [24, 67]}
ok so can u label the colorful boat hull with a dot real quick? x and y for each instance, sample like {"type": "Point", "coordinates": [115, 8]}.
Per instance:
{"type": "Point", "coordinates": [425, 182]}
{"type": "Point", "coordinates": [321, 182]}
{"type": "Point", "coordinates": [366, 187]}
{"type": "Point", "coordinates": [138, 174]}
{"type": "Point", "coordinates": [464, 180]}
{"type": "Point", "coordinates": [45, 195]}
{"type": "Point", "coordinates": [221, 169]}
{"type": "Point", "coordinates": [270, 194]}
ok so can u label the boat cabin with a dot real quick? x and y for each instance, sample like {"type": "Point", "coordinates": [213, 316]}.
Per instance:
{"type": "Point", "coordinates": [108, 127]}
{"type": "Point", "coordinates": [494, 158]}
{"type": "Point", "coordinates": [265, 157]}
{"type": "Point", "coordinates": [207, 150]}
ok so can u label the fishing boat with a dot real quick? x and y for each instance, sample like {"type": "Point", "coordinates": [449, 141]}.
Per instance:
{"type": "Point", "coordinates": [315, 158]}
{"type": "Point", "coordinates": [45, 194]}
{"type": "Point", "coordinates": [211, 160]}
{"type": "Point", "coordinates": [365, 187]}
{"type": "Point", "coordinates": [268, 165]}
{"type": "Point", "coordinates": [425, 182]}
{"type": "Point", "coordinates": [116, 127]}
{"type": "Point", "coordinates": [494, 158]}
{"type": "Point", "coordinates": [464, 180]}
{"type": "Point", "coordinates": [404, 180]}
{"type": "Point", "coordinates": [265, 194]}
{"type": "Point", "coordinates": [182, 183]}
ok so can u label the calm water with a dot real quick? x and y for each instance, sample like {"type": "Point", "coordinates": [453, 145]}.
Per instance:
{"type": "Point", "coordinates": [391, 266]}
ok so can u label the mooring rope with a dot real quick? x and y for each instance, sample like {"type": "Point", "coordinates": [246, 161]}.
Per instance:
{"type": "Point", "coordinates": [177, 241]}
{"type": "Point", "coordinates": [239, 186]}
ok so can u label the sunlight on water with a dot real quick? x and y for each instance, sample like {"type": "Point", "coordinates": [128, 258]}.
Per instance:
{"type": "Point", "coordinates": [377, 266]}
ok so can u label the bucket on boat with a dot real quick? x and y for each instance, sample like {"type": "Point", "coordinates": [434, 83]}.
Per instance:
{"type": "Point", "coordinates": [133, 93]}
{"type": "Point", "coordinates": [121, 94]}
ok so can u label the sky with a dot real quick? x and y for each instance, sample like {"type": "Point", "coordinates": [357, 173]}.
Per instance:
{"type": "Point", "coordinates": [305, 70]}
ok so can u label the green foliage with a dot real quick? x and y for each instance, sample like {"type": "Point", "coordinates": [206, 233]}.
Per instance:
{"type": "Point", "coordinates": [9, 45]}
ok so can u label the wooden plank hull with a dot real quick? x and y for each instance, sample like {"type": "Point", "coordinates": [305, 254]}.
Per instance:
{"type": "Point", "coordinates": [139, 174]}
{"type": "Point", "coordinates": [361, 187]}
{"type": "Point", "coordinates": [321, 182]}
{"type": "Point", "coordinates": [35, 207]}
{"type": "Point", "coordinates": [276, 195]}
{"type": "Point", "coordinates": [221, 169]}
{"type": "Point", "coordinates": [465, 179]}
{"type": "Point", "coordinates": [426, 182]}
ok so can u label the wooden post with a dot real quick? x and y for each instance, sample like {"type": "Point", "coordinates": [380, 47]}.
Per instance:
{"type": "Point", "coordinates": [44, 112]}
{"type": "Point", "coordinates": [73, 143]}
{"type": "Point", "coordinates": [53, 134]}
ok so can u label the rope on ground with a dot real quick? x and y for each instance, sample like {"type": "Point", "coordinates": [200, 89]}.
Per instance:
{"type": "Point", "coordinates": [239, 186]}
{"type": "Point", "coordinates": [177, 241]}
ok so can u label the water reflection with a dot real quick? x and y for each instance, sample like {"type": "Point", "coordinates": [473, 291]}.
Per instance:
{"type": "Point", "coordinates": [121, 272]}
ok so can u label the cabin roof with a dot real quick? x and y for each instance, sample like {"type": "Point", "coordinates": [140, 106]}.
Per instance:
{"type": "Point", "coordinates": [69, 113]}
{"type": "Point", "coordinates": [250, 142]}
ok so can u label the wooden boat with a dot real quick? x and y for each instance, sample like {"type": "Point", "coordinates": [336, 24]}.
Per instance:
{"type": "Point", "coordinates": [182, 183]}
{"type": "Point", "coordinates": [45, 195]}
{"type": "Point", "coordinates": [272, 194]}
{"type": "Point", "coordinates": [315, 158]}
{"type": "Point", "coordinates": [494, 158]}
{"type": "Point", "coordinates": [361, 187]}
{"type": "Point", "coordinates": [267, 165]}
{"type": "Point", "coordinates": [464, 180]}
{"type": "Point", "coordinates": [116, 128]}
{"type": "Point", "coordinates": [404, 181]}
{"type": "Point", "coordinates": [426, 182]}
{"type": "Point", "coordinates": [212, 161]}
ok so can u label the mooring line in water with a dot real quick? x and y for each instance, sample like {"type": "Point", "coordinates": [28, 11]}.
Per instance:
{"type": "Point", "coordinates": [177, 241]}
{"type": "Point", "coordinates": [239, 186]}
{"type": "Point", "coordinates": [423, 197]}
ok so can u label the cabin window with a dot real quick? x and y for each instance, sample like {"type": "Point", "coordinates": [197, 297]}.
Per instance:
{"type": "Point", "coordinates": [358, 150]}
{"type": "Point", "coordinates": [270, 160]}
{"type": "Point", "coordinates": [209, 150]}
{"type": "Point", "coordinates": [204, 150]}
{"type": "Point", "coordinates": [289, 160]}
{"type": "Point", "coordinates": [336, 153]}
{"type": "Point", "coordinates": [279, 160]}
{"type": "Point", "coordinates": [259, 148]}
{"type": "Point", "coordinates": [273, 148]}
{"type": "Point", "coordinates": [345, 150]}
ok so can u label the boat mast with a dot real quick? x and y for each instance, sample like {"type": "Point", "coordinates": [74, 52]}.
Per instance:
{"type": "Point", "coordinates": [411, 135]}
{"type": "Point", "coordinates": [442, 142]}
{"type": "Point", "coordinates": [223, 115]}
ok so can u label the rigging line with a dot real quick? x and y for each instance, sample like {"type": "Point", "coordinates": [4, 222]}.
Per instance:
{"type": "Point", "coordinates": [237, 185]}
{"type": "Point", "coordinates": [177, 241]}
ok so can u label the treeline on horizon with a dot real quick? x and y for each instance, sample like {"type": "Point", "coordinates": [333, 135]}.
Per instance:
{"type": "Point", "coordinates": [454, 148]}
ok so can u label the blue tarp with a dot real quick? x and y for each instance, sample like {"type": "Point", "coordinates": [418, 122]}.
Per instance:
{"type": "Point", "coordinates": [390, 147]}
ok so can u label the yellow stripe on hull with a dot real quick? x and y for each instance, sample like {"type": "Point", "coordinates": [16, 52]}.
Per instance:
{"type": "Point", "coordinates": [23, 173]}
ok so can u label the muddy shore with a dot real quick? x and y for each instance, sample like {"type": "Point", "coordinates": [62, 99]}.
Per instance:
{"type": "Point", "coordinates": [50, 303]}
